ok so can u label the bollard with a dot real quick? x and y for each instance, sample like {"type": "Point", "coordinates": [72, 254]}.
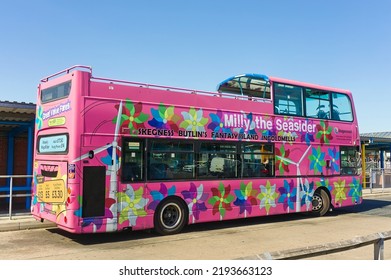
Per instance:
{"type": "Point", "coordinates": [10, 203]}
{"type": "Point", "coordinates": [379, 248]}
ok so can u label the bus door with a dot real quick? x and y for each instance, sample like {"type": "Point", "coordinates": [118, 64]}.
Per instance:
{"type": "Point", "coordinates": [131, 193]}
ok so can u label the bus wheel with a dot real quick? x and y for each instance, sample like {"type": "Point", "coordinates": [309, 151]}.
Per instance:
{"type": "Point", "coordinates": [320, 203]}
{"type": "Point", "coordinates": [170, 216]}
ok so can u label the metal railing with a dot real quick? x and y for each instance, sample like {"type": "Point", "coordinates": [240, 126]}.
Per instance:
{"type": "Point", "coordinates": [379, 178]}
{"type": "Point", "coordinates": [377, 239]}
{"type": "Point", "coordinates": [11, 189]}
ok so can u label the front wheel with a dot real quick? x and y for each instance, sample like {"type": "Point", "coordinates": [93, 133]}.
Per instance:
{"type": "Point", "coordinates": [320, 203]}
{"type": "Point", "coordinates": [170, 216]}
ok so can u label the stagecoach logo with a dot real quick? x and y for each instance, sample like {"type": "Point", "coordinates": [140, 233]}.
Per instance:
{"type": "Point", "coordinates": [59, 109]}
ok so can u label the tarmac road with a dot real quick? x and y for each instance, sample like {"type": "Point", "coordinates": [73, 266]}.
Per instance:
{"type": "Point", "coordinates": [213, 241]}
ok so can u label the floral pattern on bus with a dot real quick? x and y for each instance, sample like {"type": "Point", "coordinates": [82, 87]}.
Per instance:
{"type": "Point", "coordinates": [161, 194]}
{"type": "Point", "coordinates": [340, 191]}
{"type": "Point", "coordinates": [282, 160]}
{"type": "Point", "coordinates": [334, 160]}
{"type": "Point", "coordinates": [221, 200]}
{"type": "Point", "coordinates": [96, 223]}
{"type": "Point", "coordinates": [245, 198]}
{"type": "Point", "coordinates": [217, 124]}
{"type": "Point", "coordinates": [355, 191]}
{"type": "Point", "coordinates": [267, 197]}
{"type": "Point", "coordinates": [324, 132]}
{"type": "Point", "coordinates": [306, 194]}
{"type": "Point", "coordinates": [195, 199]}
{"type": "Point", "coordinates": [288, 195]}
{"type": "Point", "coordinates": [131, 205]}
{"type": "Point", "coordinates": [132, 117]}
{"type": "Point", "coordinates": [164, 117]}
{"type": "Point", "coordinates": [193, 120]}
{"type": "Point", "coordinates": [317, 160]}
{"type": "Point", "coordinates": [39, 118]}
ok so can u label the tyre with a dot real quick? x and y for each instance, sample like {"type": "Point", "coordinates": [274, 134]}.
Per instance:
{"type": "Point", "coordinates": [170, 216]}
{"type": "Point", "coordinates": [320, 203]}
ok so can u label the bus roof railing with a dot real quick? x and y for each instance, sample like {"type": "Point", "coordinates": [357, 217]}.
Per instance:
{"type": "Point", "coordinates": [178, 89]}
{"type": "Point", "coordinates": [154, 86]}
{"type": "Point", "coordinates": [66, 71]}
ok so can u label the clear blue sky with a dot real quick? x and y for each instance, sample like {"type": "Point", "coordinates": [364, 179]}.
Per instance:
{"type": "Point", "coordinates": [197, 44]}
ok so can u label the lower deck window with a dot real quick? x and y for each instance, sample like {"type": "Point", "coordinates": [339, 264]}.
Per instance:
{"type": "Point", "coordinates": [164, 160]}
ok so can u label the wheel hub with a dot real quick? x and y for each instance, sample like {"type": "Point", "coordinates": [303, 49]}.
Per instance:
{"type": "Point", "coordinates": [316, 203]}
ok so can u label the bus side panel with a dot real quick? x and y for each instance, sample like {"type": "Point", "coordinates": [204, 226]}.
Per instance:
{"type": "Point", "coordinates": [209, 201]}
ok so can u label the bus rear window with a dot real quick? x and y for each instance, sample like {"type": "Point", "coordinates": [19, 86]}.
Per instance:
{"type": "Point", "coordinates": [56, 92]}
{"type": "Point", "coordinates": [53, 144]}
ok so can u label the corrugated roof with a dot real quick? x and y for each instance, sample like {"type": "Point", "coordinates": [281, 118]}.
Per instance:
{"type": "Point", "coordinates": [385, 135]}
{"type": "Point", "coordinates": [12, 113]}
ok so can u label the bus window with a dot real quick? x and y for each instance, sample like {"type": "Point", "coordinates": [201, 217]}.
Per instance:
{"type": "Point", "coordinates": [53, 144]}
{"type": "Point", "coordinates": [170, 160]}
{"type": "Point", "coordinates": [350, 161]}
{"type": "Point", "coordinates": [257, 160]}
{"type": "Point", "coordinates": [317, 104]}
{"type": "Point", "coordinates": [342, 107]}
{"type": "Point", "coordinates": [217, 160]}
{"type": "Point", "coordinates": [132, 167]}
{"type": "Point", "coordinates": [287, 100]}
{"type": "Point", "coordinates": [57, 92]}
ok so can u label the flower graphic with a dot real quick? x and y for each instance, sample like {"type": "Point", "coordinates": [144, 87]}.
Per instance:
{"type": "Point", "coordinates": [317, 160]}
{"type": "Point", "coordinates": [268, 132]}
{"type": "Point", "coordinates": [160, 195]}
{"type": "Point", "coordinates": [193, 120]}
{"type": "Point", "coordinates": [307, 138]}
{"type": "Point", "coordinates": [195, 199]}
{"type": "Point", "coordinates": [288, 195]}
{"type": "Point", "coordinates": [217, 124]}
{"type": "Point", "coordinates": [267, 196]}
{"type": "Point", "coordinates": [221, 200]}
{"type": "Point", "coordinates": [131, 204]}
{"type": "Point", "coordinates": [355, 190]}
{"type": "Point", "coordinates": [164, 118]}
{"type": "Point", "coordinates": [108, 158]}
{"type": "Point", "coordinates": [324, 183]}
{"type": "Point", "coordinates": [306, 193]}
{"type": "Point", "coordinates": [39, 118]}
{"type": "Point", "coordinates": [98, 222]}
{"type": "Point", "coordinates": [324, 132]}
{"type": "Point", "coordinates": [245, 198]}
{"type": "Point", "coordinates": [340, 191]}
{"type": "Point", "coordinates": [251, 129]}
{"type": "Point", "coordinates": [334, 155]}
{"type": "Point", "coordinates": [281, 156]}
{"type": "Point", "coordinates": [132, 116]}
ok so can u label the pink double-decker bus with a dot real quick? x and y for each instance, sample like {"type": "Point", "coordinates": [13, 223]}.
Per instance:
{"type": "Point", "coordinates": [112, 155]}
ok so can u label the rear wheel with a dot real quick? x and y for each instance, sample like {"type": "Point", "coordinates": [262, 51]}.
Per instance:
{"type": "Point", "coordinates": [320, 203]}
{"type": "Point", "coordinates": [170, 216]}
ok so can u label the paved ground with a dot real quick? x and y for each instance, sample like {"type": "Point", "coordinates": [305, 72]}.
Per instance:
{"type": "Point", "coordinates": [21, 222]}
{"type": "Point", "coordinates": [24, 221]}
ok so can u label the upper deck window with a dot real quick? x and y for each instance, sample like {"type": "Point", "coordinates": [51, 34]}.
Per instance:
{"type": "Point", "coordinates": [252, 85]}
{"type": "Point", "coordinates": [287, 100]}
{"type": "Point", "coordinates": [342, 107]}
{"type": "Point", "coordinates": [317, 103]}
{"type": "Point", "coordinates": [56, 92]}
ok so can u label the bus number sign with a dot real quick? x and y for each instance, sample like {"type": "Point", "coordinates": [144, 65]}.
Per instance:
{"type": "Point", "coordinates": [51, 191]}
